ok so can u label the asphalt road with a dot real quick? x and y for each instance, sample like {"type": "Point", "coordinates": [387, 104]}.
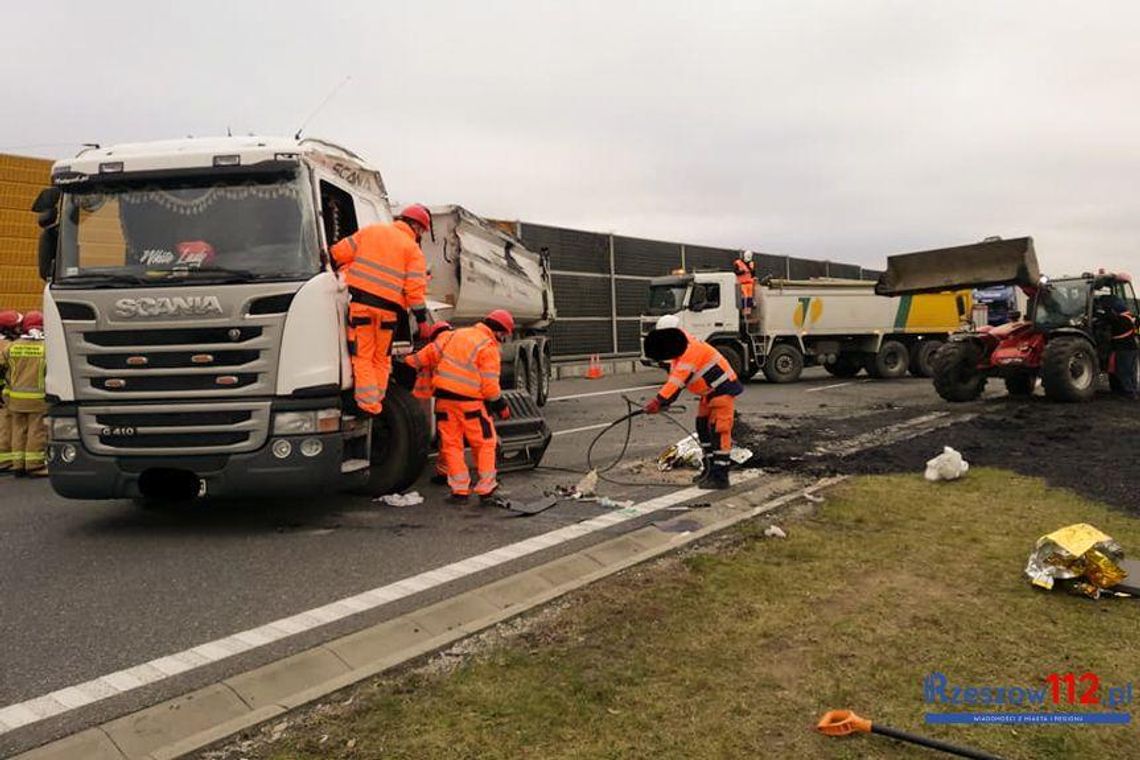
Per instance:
{"type": "Point", "coordinates": [88, 588]}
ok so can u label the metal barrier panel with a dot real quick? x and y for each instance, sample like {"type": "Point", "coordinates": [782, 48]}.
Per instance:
{"type": "Point", "coordinates": [647, 258]}
{"type": "Point", "coordinates": [802, 269]}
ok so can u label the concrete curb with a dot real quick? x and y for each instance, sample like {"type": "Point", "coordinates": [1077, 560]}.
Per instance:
{"type": "Point", "coordinates": [208, 715]}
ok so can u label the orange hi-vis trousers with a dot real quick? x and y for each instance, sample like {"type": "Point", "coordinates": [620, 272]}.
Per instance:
{"type": "Point", "coordinates": [748, 295]}
{"type": "Point", "coordinates": [370, 331]}
{"type": "Point", "coordinates": [716, 416]}
{"type": "Point", "coordinates": [459, 421]}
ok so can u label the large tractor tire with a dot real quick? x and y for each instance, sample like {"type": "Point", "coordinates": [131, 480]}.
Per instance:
{"type": "Point", "coordinates": [401, 437]}
{"type": "Point", "coordinates": [734, 359]}
{"type": "Point", "coordinates": [784, 364]}
{"type": "Point", "coordinates": [844, 366]}
{"type": "Point", "coordinates": [891, 362]}
{"type": "Point", "coordinates": [1069, 369]}
{"type": "Point", "coordinates": [922, 358]}
{"type": "Point", "coordinates": [956, 374]}
{"type": "Point", "coordinates": [1021, 384]}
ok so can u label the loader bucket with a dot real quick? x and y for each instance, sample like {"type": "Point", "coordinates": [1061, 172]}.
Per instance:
{"type": "Point", "coordinates": [997, 262]}
{"type": "Point", "coordinates": [524, 437]}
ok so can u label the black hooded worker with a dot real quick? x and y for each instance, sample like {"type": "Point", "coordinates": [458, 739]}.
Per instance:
{"type": "Point", "coordinates": [696, 365]}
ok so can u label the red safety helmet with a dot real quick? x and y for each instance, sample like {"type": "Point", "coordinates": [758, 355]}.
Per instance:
{"type": "Point", "coordinates": [34, 320]}
{"type": "Point", "coordinates": [437, 328]}
{"type": "Point", "coordinates": [417, 213]}
{"type": "Point", "coordinates": [10, 319]}
{"type": "Point", "coordinates": [502, 319]}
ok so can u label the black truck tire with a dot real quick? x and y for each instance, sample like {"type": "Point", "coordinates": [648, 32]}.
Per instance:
{"type": "Point", "coordinates": [784, 364]}
{"type": "Point", "coordinates": [544, 371]}
{"type": "Point", "coordinates": [533, 370]}
{"type": "Point", "coordinates": [734, 359]}
{"type": "Point", "coordinates": [845, 365]}
{"type": "Point", "coordinates": [891, 362]}
{"type": "Point", "coordinates": [1021, 384]}
{"type": "Point", "coordinates": [401, 437]}
{"type": "Point", "coordinates": [956, 374]}
{"type": "Point", "coordinates": [1069, 369]}
{"type": "Point", "coordinates": [922, 356]}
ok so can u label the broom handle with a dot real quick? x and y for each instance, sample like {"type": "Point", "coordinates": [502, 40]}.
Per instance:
{"type": "Point", "coordinates": [952, 749]}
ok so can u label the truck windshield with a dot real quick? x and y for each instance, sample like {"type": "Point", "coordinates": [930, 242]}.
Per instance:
{"type": "Point", "coordinates": [1061, 303]}
{"type": "Point", "coordinates": [666, 299]}
{"type": "Point", "coordinates": [202, 229]}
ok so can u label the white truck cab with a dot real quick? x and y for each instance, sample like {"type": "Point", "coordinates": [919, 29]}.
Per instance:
{"type": "Point", "coordinates": [195, 333]}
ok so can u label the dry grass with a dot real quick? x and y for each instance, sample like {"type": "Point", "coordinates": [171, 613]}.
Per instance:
{"type": "Point", "coordinates": [736, 653]}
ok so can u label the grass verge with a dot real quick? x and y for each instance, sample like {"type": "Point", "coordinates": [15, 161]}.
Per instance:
{"type": "Point", "coordinates": [736, 652]}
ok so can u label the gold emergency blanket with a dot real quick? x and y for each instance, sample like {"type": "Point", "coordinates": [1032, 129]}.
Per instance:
{"type": "Point", "coordinates": [1078, 553]}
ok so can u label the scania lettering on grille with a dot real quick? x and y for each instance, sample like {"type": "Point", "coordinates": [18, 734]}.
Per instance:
{"type": "Point", "coordinates": [173, 306]}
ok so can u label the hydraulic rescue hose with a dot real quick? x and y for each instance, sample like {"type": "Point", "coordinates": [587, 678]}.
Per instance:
{"type": "Point", "coordinates": [633, 410]}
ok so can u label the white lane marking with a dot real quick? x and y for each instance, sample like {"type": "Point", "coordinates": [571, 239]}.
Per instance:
{"type": "Point", "coordinates": [599, 426]}
{"type": "Point", "coordinates": [73, 697]}
{"type": "Point", "coordinates": [603, 393]}
{"type": "Point", "coordinates": [828, 387]}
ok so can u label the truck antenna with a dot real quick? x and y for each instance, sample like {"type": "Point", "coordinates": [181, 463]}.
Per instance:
{"type": "Point", "coordinates": [320, 107]}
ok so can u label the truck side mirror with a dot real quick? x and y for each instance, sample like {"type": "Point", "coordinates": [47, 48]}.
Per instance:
{"type": "Point", "coordinates": [49, 240]}
{"type": "Point", "coordinates": [46, 205]}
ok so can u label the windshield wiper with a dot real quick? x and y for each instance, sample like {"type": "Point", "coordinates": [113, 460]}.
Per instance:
{"type": "Point", "coordinates": [220, 274]}
{"type": "Point", "coordinates": [104, 279]}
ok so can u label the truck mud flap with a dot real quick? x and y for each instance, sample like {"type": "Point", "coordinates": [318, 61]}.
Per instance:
{"type": "Point", "coordinates": [524, 437]}
{"type": "Point", "coordinates": [994, 262]}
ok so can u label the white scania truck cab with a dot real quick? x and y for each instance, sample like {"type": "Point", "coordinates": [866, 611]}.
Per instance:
{"type": "Point", "coordinates": [195, 326]}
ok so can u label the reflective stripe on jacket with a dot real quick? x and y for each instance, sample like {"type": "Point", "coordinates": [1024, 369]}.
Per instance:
{"type": "Point", "coordinates": [23, 367]}
{"type": "Point", "coordinates": [425, 362]}
{"type": "Point", "coordinates": [383, 260]}
{"type": "Point", "coordinates": [703, 370]}
{"type": "Point", "coordinates": [469, 365]}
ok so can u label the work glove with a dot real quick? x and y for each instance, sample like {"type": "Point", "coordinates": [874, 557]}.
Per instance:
{"type": "Point", "coordinates": [505, 413]}
{"type": "Point", "coordinates": [653, 407]}
{"type": "Point", "coordinates": [425, 330]}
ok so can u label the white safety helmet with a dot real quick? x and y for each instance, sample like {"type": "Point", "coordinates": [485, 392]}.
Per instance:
{"type": "Point", "coordinates": [747, 256]}
{"type": "Point", "coordinates": [668, 322]}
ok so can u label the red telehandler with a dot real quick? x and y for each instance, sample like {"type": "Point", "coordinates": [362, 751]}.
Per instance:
{"type": "Point", "coordinates": [1063, 339]}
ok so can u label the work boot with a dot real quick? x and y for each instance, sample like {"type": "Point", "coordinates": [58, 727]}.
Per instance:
{"type": "Point", "coordinates": [717, 478]}
{"type": "Point", "coordinates": [457, 498]}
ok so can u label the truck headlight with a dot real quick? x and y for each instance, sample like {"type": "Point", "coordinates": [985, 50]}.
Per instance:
{"type": "Point", "coordinates": [297, 423]}
{"type": "Point", "coordinates": [64, 429]}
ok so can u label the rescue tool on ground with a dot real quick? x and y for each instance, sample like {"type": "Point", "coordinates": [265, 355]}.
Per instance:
{"type": "Point", "coordinates": [846, 722]}
{"type": "Point", "coordinates": [197, 331]}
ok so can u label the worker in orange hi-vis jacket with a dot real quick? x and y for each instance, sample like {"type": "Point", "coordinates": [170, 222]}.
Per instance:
{"type": "Point", "coordinates": [697, 366]}
{"type": "Point", "coordinates": [385, 272]}
{"type": "Point", "coordinates": [745, 271]}
{"type": "Point", "coordinates": [424, 362]}
{"type": "Point", "coordinates": [466, 388]}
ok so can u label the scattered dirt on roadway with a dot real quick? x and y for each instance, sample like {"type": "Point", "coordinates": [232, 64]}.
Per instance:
{"type": "Point", "coordinates": [1092, 448]}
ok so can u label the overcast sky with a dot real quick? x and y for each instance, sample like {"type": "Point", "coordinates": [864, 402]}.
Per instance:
{"type": "Point", "coordinates": [844, 130]}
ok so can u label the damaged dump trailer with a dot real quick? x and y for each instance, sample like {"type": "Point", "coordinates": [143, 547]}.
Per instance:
{"type": "Point", "coordinates": [196, 342]}
{"type": "Point", "coordinates": [476, 267]}
{"type": "Point", "coordinates": [1064, 340]}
